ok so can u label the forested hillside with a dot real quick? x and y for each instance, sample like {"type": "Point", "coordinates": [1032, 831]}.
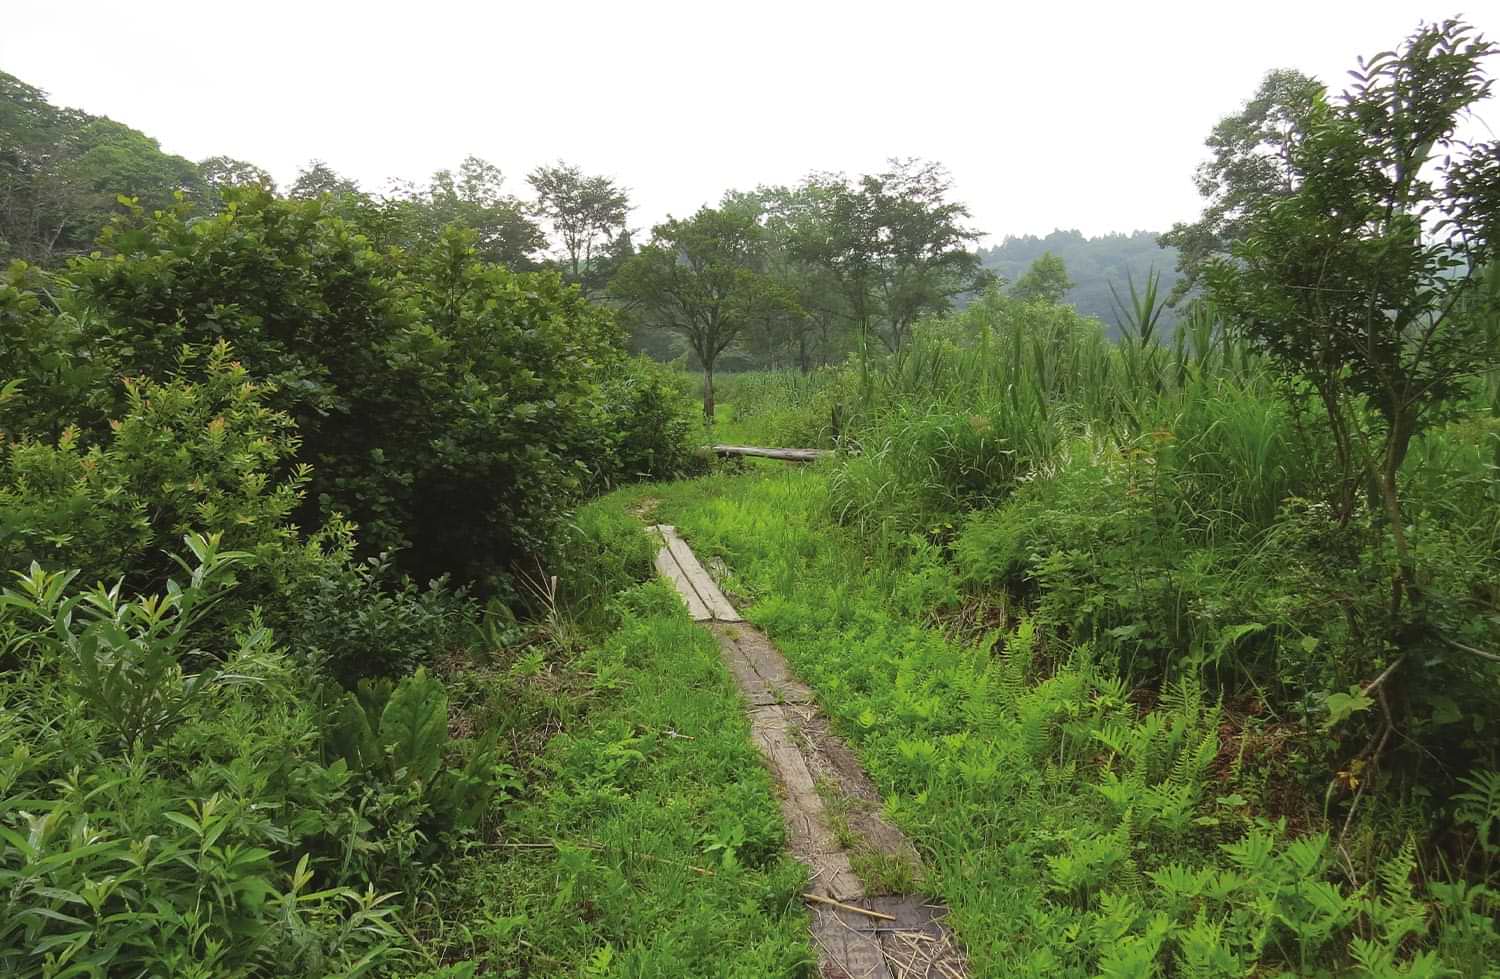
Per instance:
{"type": "Point", "coordinates": [1095, 266]}
{"type": "Point", "coordinates": [370, 609]}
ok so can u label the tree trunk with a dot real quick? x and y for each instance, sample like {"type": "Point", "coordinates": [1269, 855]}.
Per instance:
{"type": "Point", "coordinates": [708, 391]}
{"type": "Point", "coordinates": [1398, 440]}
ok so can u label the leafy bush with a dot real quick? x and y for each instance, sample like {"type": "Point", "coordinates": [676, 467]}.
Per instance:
{"type": "Point", "coordinates": [163, 806]}
{"type": "Point", "coordinates": [183, 456]}
{"type": "Point", "coordinates": [452, 409]}
{"type": "Point", "coordinates": [653, 426]}
{"type": "Point", "coordinates": [126, 660]}
{"type": "Point", "coordinates": [394, 734]}
{"type": "Point", "coordinates": [352, 622]}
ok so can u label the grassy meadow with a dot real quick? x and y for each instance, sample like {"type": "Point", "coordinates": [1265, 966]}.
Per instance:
{"type": "Point", "coordinates": [1083, 611]}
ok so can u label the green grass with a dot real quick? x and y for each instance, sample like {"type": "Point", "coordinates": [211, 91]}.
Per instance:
{"type": "Point", "coordinates": [1070, 833]}
{"type": "Point", "coordinates": [649, 843]}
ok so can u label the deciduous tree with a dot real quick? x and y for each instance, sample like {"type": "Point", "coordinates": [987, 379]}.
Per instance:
{"type": "Point", "coordinates": [587, 213]}
{"type": "Point", "coordinates": [1370, 279]}
{"type": "Point", "coordinates": [703, 277]}
{"type": "Point", "coordinates": [897, 245]}
{"type": "Point", "coordinates": [1251, 165]}
{"type": "Point", "coordinates": [1046, 281]}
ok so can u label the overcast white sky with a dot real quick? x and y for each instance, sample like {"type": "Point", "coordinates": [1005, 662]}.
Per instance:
{"type": "Point", "coordinates": [1063, 114]}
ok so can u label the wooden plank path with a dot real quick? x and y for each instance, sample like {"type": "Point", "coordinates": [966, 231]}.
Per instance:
{"type": "Point", "coordinates": [786, 455]}
{"type": "Point", "coordinates": [858, 935]}
{"type": "Point", "coordinates": [676, 563]}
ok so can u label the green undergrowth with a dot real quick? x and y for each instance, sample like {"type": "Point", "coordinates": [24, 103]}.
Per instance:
{"type": "Point", "coordinates": [649, 843]}
{"type": "Point", "coordinates": [1074, 829]}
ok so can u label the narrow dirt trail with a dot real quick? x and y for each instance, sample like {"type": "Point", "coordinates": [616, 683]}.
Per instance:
{"type": "Point", "coordinates": [830, 806]}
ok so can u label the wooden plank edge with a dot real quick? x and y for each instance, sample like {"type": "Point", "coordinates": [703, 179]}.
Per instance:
{"type": "Point", "coordinates": [701, 581]}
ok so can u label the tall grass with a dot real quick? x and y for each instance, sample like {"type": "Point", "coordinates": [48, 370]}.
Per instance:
{"type": "Point", "coordinates": [994, 395]}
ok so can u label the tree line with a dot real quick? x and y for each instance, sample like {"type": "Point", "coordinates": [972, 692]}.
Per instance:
{"type": "Point", "coordinates": [64, 172]}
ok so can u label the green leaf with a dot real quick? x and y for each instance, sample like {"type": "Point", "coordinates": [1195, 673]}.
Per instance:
{"type": "Point", "coordinates": [1444, 710]}
{"type": "Point", "coordinates": [1342, 706]}
{"type": "Point", "coordinates": [414, 726]}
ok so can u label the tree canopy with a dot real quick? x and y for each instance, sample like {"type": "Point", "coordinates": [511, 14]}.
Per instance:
{"type": "Point", "coordinates": [587, 214]}
{"type": "Point", "coordinates": [1046, 281]}
{"type": "Point", "coordinates": [62, 173]}
{"type": "Point", "coordinates": [1251, 164]}
{"type": "Point", "coordinates": [704, 278]}
{"type": "Point", "coordinates": [1368, 275]}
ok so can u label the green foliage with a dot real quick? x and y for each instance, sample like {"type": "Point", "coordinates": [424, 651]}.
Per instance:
{"type": "Point", "coordinates": [127, 658]}
{"type": "Point", "coordinates": [1364, 283]}
{"type": "Point", "coordinates": [395, 734]}
{"type": "Point", "coordinates": [588, 214]}
{"type": "Point", "coordinates": [653, 844]}
{"type": "Point", "coordinates": [450, 408]}
{"type": "Point", "coordinates": [601, 553]}
{"type": "Point", "coordinates": [653, 426]}
{"type": "Point", "coordinates": [502, 231]}
{"type": "Point", "coordinates": [360, 619]}
{"type": "Point", "coordinates": [894, 244]}
{"type": "Point", "coordinates": [1076, 823]}
{"type": "Point", "coordinates": [162, 806]}
{"type": "Point", "coordinates": [63, 173]}
{"type": "Point", "coordinates": [1045, 281]}
{"type": "Point", "coordinates": [1246, 171]}
{"type": "Point", "coordinates": [203, 457]}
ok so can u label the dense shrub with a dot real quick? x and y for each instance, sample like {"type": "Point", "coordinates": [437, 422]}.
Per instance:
{"type": "Point", "coordinates": [182, 456]}
{"type": "Point", "coordinates": [453, 410]}
{"type": "Point", "coordinates": [360, 619]}
{"type": "Point", "coordinates": [172, 814]}
{"type": "Point", "coordinates": [653, 423]}
{"type": "Point", "coordinates": [1112, 549]}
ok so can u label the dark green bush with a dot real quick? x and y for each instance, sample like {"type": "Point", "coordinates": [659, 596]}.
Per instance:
{"type": "Point", "coordinates": [354, 622]}
{"type": "Point", "coordinates": [654, 426]}
{"type": "Point", "coordinates": [452, 409]}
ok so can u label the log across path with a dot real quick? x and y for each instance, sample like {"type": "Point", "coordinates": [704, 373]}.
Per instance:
{"type": "Point", "coordinates": [859, 935]}
{"type": "Point", "coordinates": [786, 455]}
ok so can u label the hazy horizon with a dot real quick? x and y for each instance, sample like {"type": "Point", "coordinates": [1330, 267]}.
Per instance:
{"type": "Point", "coordinates": [1097, 130]}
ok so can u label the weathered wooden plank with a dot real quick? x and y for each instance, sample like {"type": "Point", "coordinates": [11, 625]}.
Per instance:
{"type": "Point", "coordinates": [667, 567]}
{"type": "Point", "coordinates": [808, 835]}
{"type": "Point", "coordinates": [718, 605]}
{"type": "Point", "coordinates": [786, 455]}
{"type": "Point", "coordinates": [758, 668]}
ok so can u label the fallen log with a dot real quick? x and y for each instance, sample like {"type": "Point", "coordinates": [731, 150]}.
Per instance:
{"type": "Point", "coordinates": [787, 455]}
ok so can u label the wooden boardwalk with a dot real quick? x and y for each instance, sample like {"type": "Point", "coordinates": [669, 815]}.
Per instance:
{"type": "Point", "coordinates": [786, 455]}
{"type": "Point", "coordinates": [858, 935]}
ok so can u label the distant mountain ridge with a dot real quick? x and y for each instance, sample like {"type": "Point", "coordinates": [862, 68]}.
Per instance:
{"type": "Point", "coordinates": [1094, 264]}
